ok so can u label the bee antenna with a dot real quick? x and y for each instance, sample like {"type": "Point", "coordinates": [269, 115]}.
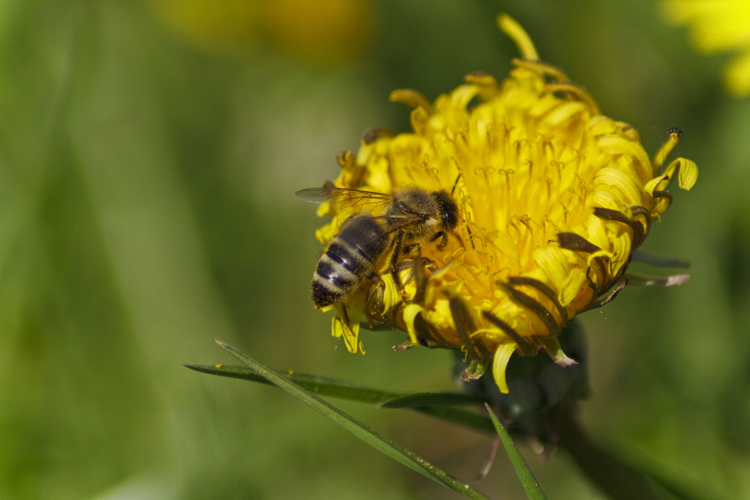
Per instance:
{"type": "Point", "coordinates": [471, 236]}
{"type": "Point", "coordinates": [455, 184]}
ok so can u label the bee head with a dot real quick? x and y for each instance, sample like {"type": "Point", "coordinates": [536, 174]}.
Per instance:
{"type": "Point", "coordinates": [447, 210]}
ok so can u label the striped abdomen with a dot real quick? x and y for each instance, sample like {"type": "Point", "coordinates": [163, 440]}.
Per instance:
{"type": "Point", "coordinates": [349, 259]}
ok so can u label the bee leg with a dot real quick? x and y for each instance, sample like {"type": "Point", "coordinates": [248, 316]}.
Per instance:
{"type": "Point", "coordinates": [409, 248]}
{"type": "Point", "coordinates": [371, 294]}
{"type": "Point", "coordinates": [443, 242]}
{"type": "Point", "coordinates": [344, 315]}
{"type": "Point", "coordinates": [370, 323]}
{"type": "Point", "coordinates": [397, 243]}
{"type": "Point", "coordinates": [420, 280]}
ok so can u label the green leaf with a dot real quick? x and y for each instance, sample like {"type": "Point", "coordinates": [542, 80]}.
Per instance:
{"type": "Point", "coordinates": [460, 416]}
{"type": "Point", "coordinates": [529, 482]}
{"type": "Point", "coordinates": [322, 386]}
{"type": "Point", "coordinates": [364, 433]}
{"type": "Point", "coordinates": [434, 399]}
{"type": "Point", "coordinates": [319, 385]}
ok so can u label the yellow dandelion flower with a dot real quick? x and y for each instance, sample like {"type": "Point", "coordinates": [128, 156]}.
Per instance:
{"type": "Point", "coordinates": [718, 25]}
{"type": "Point", "coordinates": [552, 199]}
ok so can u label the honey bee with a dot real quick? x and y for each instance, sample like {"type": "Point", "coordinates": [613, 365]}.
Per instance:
{"type": "Point", "coordinates": [412, 216]}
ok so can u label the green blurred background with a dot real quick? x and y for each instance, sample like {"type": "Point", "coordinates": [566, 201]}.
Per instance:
{"type": "Point", "coordinates": [149, 152]}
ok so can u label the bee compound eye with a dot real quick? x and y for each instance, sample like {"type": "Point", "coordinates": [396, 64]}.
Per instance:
{"type": "Point", "coordinates": [450, 218]}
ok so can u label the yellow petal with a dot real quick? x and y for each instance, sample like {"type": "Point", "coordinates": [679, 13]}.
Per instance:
{"type": "Point", "coordinates": [349, 329]}
{"type": "Point", "coordinates": [391, 296]}
{"type": "Point", "coordinates": [500, 363]}
{"type": "Point", "coordinates": [410, 314]}
{"type": "Point", "coordinates": [553, 264]}
{"type": "Point", "coordinates": [565, 111]}
{"type": "Point", "coordinates": [463, 94]}
{"type": "Point", "coordinates": [618, 146]}
{"type": "Point", "coordinates": [572, 286]}
{"type": "Point", "coordinates": [598, 233]}
{"type": "Point", "coordinates": [688, 173]}
{"type": "Point", "coordinates": [652, 185]}
{"type": "Point", "coordinates": [610, 178]}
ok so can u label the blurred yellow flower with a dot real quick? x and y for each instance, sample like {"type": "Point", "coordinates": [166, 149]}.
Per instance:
{"type": "Point", "coordinates": [327, 31]}
{"type": "Point", "coordinates": [225, 26]}
{"type": "Point", "coordinates": [718, 25]}
{"type": "Point", "coordinates": [319, 30]}
{"type": "Point", "coordinates": [554, 198]}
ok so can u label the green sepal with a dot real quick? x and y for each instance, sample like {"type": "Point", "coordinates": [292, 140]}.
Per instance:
{"type": "Point", "coordinates": [474, 371]}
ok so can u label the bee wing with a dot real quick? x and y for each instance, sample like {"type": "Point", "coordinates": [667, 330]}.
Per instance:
{"type": "Point", "coordinates": [395, 223]}
{"type": "Point", "coordinates": [352, 197]}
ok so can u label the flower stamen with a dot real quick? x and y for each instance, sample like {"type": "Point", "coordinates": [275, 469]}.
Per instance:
{"type": "Point", "coordinates": [516, 33]}
{"type": "Point", "coordinates": [541, 68]}
{"type": "Point", "coordinates": [674, 138]}
{"type": "Point", "coordinates": [411, 98]}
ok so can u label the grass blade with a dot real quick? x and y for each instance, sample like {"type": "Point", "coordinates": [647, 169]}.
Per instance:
{"type": "Point", "coordinates": [529, 482]}
{"type": "Point", "coordinates": [369, 436]}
